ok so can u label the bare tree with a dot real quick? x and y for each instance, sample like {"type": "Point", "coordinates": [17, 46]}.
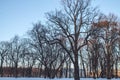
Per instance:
{"type": "Point", "coordinates": [108, 26]}
{"type": "Point", "coordinates": [4, 47]}
{"type": "Point", "coordinates": [70, 24]}
{"type": "Point", "coordinates": [28, 57]}
{"type": "Point", "coordinates": [48, 54]}
{"type": "Point", "coordinates": [14, 54]}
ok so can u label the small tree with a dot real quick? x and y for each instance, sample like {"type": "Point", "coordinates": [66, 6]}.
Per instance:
{"type": "Point", "coordinates": [14, 54]}
{"type": "Point", "coordinates": [4, 47]}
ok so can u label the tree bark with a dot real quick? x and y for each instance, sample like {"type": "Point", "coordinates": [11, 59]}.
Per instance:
{"type": "Point", "coordinates": [76, 71]}
{"type": "Point", "coordinates": [76, 67]}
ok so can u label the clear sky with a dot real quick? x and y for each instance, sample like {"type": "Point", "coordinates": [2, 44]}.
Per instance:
{"type": "Point", "coordinates": [17, 16]}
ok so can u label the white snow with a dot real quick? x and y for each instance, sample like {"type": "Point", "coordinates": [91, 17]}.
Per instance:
{"type": "Point", "coordinates": [9, 78]}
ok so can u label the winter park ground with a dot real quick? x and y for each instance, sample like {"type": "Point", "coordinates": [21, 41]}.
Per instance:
{"type": "Point", "coordinates": [8, 78]}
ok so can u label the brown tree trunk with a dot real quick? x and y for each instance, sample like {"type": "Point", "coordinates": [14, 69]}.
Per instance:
{"type": "Point", "coordinates": [116, 68]}
{"type": "Point", "coordinates": [108, 67]}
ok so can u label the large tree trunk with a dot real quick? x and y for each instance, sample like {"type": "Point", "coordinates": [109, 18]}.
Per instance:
{"type": "Point", "coordinates": [108, 67]}
{"type": "Point", "coordinates": [76, 68]}
{"type": "Point", "coordinates": [76, 71]}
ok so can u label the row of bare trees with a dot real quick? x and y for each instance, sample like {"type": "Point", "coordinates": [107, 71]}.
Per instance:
{"type": "Point", "coordinates": [27, 53]}
{"type": "Point", "coordinates": [104, 48]}
{"type": "Point", "coordinates": [77, 41]}
{"type": "Point", "coordinates": [47, 51]}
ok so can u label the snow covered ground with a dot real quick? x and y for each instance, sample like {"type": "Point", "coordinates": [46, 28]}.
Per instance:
{"type": "Point", "coordinates": [53, 79]}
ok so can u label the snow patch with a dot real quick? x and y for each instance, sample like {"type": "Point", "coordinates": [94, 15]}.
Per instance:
{"type": "Point", "coordinates": [9, 78]}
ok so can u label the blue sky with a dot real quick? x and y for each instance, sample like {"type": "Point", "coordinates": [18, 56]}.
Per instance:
{"type": "Point", "coordinates": [17, 16]}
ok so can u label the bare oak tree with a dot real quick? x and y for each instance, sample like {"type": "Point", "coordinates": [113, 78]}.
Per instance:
{"type": "Point", "coordinates": [70, 23]}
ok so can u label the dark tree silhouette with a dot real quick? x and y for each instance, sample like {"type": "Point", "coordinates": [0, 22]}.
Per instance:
{"type": "Point", "coordinates": [70, 23]}
{"type": "Point", "coordinates": [4, 47]}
